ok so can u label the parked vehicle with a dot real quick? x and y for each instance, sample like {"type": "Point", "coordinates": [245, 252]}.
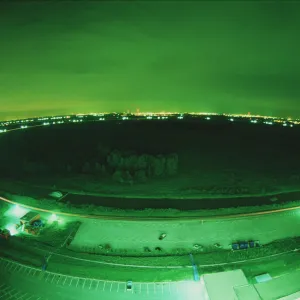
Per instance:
{"type": "Point", "coordinates": [129, 285]}
{"type": "Point", "coordinates": [244, 245]}
{"type": "Point", "coordinates": [162, 236]}
{"type": "Point", "coordinates": [56, 194]}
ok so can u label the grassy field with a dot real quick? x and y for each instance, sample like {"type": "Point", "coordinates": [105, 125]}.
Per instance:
{"type": "Point", "coordinates": [215, 159]}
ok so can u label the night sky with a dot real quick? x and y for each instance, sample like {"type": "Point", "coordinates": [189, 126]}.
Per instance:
{"type": "Point", "coordinates": [68, 57]}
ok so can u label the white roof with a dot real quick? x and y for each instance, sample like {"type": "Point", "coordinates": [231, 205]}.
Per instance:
{"type": "Point", "coordinates": [221, 285]}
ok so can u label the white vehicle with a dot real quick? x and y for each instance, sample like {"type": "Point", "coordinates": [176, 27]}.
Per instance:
{"type": "Point", "coordinates": [56, 194]}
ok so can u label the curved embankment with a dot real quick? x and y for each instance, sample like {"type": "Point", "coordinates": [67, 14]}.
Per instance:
{"type": "Point", "coordinates": [179, 203]}
{"type": "Point", "coordinates": [157, 218]}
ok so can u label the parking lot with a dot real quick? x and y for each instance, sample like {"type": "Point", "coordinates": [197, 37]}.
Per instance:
{"type": "Point", "coordinates": [58, 286]}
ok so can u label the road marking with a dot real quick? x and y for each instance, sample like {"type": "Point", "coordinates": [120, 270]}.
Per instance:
{"type": "Point", "coordinates": [52, 278]}
{"type": "Point", "coordinates": [15, 295]}
{"type": "Point", "coordinates": [104, 285]}
{"type": "Point", "coordinates": [59, 278]}
{"type": "Point", "coordinates": [7, 291]}
{"type": "Point", "coordinates": [17, 269]}
{"type": "Point", "coordinates": [23, 296]}
{"type": "Point", "coordinates": [71, 281]}
{"type": "Point", "coordinates": [111, 286]}
{"type": "Point", "coordinates": [77, 282]}
{"type": "Point", "coordinates": [7, 288]}
{"type": "Point", "coordinates": [11, 266]}
{"type": "Point", "coordinates": [31, 270]}
{"type": "Point", "coordinates": [161, 288]}
{"type": "Point", "coordinates": [84, 283]}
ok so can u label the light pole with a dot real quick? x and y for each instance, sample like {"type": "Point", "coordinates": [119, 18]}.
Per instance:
{"type": "Point", "coordinates": [195, 269]}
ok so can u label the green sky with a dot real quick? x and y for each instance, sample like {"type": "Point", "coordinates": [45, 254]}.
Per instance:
{"type": "Point", "coordinates": [63, 57]}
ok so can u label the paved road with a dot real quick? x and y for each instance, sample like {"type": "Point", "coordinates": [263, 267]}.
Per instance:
{"type": "Point", "coordinates": [20, 282]}
{"type": "Point", "coordinates": [156, 218]}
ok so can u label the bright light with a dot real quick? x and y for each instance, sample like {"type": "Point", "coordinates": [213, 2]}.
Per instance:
{"type": "Point", "coordinates": [12, 229]}
{"type": "Point", "coordinates": [195, 288]}
{"type": "Point", "coordinates": [53, 218]}
{"type": "Point", "coordinates": [17, 211]}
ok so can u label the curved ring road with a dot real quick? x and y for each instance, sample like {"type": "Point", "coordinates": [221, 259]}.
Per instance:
{"type": "Point", "coordinates": [158, 218]}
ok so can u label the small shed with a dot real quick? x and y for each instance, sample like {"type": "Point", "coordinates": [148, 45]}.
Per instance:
{"type": "Point", "coordinates": [29, 218]}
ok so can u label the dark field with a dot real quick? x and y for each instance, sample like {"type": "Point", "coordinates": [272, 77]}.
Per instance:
{"type": "Point", "coordinates": [216, 158]}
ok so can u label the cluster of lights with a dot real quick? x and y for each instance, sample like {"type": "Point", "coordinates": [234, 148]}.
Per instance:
{"type": "Point", "coordinates": [16, 211]}
{"type": "Point", "coordinates": [76, 118]}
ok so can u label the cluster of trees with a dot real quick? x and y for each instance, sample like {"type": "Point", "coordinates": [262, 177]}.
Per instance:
{"type": "Point", "coordinates": [121, 166]}
{"type": "Point", "coordinates": [129, 168]}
